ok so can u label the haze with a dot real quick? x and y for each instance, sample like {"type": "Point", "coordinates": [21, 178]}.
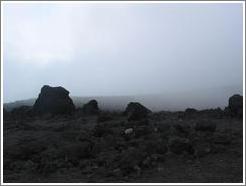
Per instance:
{"type": "Point", "coordinates": [184, 53]}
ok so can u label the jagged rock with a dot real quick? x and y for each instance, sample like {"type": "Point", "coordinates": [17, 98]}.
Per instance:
{"type": "Point", "coordinates": [136, 111]}
{"type": "Point", "coordinates": [91, 108]}
{"type": "Point", "coordinates": [235, 106]}
{"type": "Point", "coordinates": [53, 100]}
{"type": "Point", "coordinates": [179, 145]}
{"type": "Point", "coordinates": [205, 125]}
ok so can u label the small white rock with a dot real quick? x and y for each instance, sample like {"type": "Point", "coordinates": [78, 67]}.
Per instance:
{"type": "Point", "coordinates": [129, 131]}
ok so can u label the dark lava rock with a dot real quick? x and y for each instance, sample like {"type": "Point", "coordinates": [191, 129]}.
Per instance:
{"type": "Point", "coordinates": [190, 110]}
{"type": "Point", "coordinates": [22, 111]}
{"type": "Point", "coordinates": [142, 130]}
{"type": "Point", "coordinates": [136, 111]}
{"type": "Point", "coordinates": [130, 159]}
{"type": "Point", "coordinates": [235, 106]}
{"type": "Point", "coordinates": [222, 138]}
{"type": "Point", "coordinates": [179, 145]}
{"type": "Point", "coordinates": [102, 129]}
{"type": "Point", "coordinates": [205, 126]}
{"type": "Point", "coordinates": [6, 114]}
{"type": "Point", "coordinates": [202, 148]}
{"type": "Point", "coordinates": [91, 108]}
{"type": "Point", "coordinates": [190, 113]}
{"type": "Point", "coordinates": [54, 100]}
{"type": "Point", "coordinates": [182, 129]}
{"type": "Point", "coordinates": [104, 117]}
{"type": "Point", "coordinates": [142, 122]}
{"type": "Point", "coordinates": [155, 146]}
{"type": "Point", "coordinates": [217, 113]}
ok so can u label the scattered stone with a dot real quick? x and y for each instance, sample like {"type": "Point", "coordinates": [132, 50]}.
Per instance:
{"type": "Point", "coordinates": [202, 148]}
{"type": "Point", "coordinates": [223, 139]}
{"type": "Point", "coordinates": [182, 129]}
{"type": "Point", "coordinates": [142, 130]}
{"type": "Point", "coordinates": [104, 117]}
{"type": "Point", "coordinates": [205, 125]}
{"type": "Point", "coordinates": [102, 129]}
{"type": "Point", "coordinates": [179, 145]}
{"type": "Point", "coordinates": [21, 112]}
{"type": "Point", "coordinates": [131, 158]}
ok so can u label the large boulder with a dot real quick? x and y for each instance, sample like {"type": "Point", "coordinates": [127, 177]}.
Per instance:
{"type": "Point", "coordinates": [91, 108]}
{"type": "Point", "coordinates": [235, 107]}
{"type": "Point", "coordinates": [136, 111]}
{"type": "Point", "coordinates": [53, 100]}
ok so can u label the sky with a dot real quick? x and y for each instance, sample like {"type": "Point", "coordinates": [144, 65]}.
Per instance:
{"type": "Point", "coordinates": [118, 49]}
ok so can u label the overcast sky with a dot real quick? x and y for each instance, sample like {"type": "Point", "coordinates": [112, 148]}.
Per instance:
{"type": "Point", "coordinates": [121, 49]}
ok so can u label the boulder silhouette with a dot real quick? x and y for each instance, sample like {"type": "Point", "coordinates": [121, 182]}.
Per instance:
{"type": "Point", "coordinates": [53, 100]}
{"type": "Point", "coordinates": [136, 111]}
{"type": "Point", "coordinates": [235, 107]}
{"type": "Point", "coordinates": [91, 108]}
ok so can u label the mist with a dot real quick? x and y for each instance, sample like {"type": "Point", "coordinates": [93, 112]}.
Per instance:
{"type": "Point", "coordinates": [168, 56]}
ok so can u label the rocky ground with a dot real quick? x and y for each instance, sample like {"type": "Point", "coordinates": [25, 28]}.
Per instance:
{"type": "Point", "coordinates": [191, 146]}
{"type": "Point", "coordinates": [55, 142]}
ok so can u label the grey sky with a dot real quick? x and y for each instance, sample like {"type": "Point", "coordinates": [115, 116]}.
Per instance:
{"type": "Point", "coordinates": [121, 49]}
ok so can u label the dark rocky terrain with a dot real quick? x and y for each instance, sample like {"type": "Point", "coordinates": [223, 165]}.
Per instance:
{"type": "Point", "coordinates": [54, 142]}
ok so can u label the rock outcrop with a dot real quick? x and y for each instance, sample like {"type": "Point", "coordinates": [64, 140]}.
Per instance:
{"type": "Point", "coordinates": [235, 107]}
{"type": "Point", "coordinates": [136, 111]}
{"type": "Point", "coordinates": [53, 100]}
{"type": "Point", "coordinates": [91, 108]}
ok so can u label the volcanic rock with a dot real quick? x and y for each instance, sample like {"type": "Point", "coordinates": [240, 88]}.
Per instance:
{"type": "Point", "coordinates": [54, 100]}
{"type": "Point", "coordinates": [91, 108]}
{"type": "Point", "coordinates": [21, 112]}
{"type": "Point", "coordinates": [205, 125]}
{"type": "Point", "coordinates": [179, 145]}
{"type": "Point", "coordinates": [136, 111]}
{"type": "Point", "coordinates": [235, 106]}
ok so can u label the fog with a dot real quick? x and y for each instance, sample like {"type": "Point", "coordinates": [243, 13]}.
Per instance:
{"type": "Point", "coordinates": [175, 54]}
